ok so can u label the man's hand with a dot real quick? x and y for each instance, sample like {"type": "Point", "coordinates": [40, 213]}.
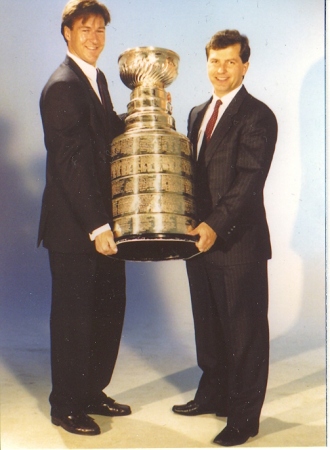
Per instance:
{"type": "Point", "coordinates": [105, 244]}
{"type": "Point", "coordinates": [207, 236]}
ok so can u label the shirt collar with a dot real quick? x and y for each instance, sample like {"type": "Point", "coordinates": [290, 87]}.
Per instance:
{"type": "Point", "coordinates": [226, 99]}
{"type": "Point", "coordinates": [89, 70]}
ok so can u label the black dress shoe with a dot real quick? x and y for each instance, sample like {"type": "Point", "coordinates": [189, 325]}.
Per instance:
{"type": "Point", "coordinates": [77, 424]}
{"type": "Point", "coordinates": [108, 407]}
{"type": "Point", "coordinates": [231, 436]}
{"type": "Point", "coordinates": [192, 408]}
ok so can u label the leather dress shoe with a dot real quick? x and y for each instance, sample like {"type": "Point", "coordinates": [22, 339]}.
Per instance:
{"type": "Point", "coordinates": [77, 424]}
{"type": "Point", "coordinates": [193, 408]}
{"type": "Point", "coordinates": [231, 436]}
{"type": "Point", "coordinates": [108, 407]}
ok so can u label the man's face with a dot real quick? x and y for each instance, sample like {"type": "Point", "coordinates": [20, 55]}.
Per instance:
{"type": "Point", "coordinates": [86, 40]}
{"type": "Point", "coordinates": [226, 69]}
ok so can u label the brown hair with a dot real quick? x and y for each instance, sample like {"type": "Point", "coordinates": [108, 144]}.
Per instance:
{"type": "Point", "coordinates": [224, 39]}
{"type": "Point", "coordinates": [75, 9]}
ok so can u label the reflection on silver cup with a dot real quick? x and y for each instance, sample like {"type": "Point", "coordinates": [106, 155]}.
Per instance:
{"type": "Point", "coordinates": [151, 165]}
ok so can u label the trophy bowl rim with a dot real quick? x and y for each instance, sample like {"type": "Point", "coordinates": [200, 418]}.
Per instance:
{"type": "Point", "coordinates": [151, 49]}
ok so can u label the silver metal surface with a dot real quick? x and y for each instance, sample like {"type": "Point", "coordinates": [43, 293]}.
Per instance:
{"type": "Point", "coordinates": [151, 165]}
{"type": "Point", "coordinates": [148, 66]}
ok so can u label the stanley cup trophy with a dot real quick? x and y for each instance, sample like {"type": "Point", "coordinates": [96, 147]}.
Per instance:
{"type": "Point", "coordinates": [151, 165]}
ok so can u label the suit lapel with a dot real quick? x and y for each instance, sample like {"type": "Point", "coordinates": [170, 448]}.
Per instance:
{"type": "Point", "coordinates": [224, 124]}
{"type": "Point", "coordinates": [195, 123]}
{"type": "Point", "coordinates": [101, 111]}
{"type": "Point", "coordinates": [106, 95]}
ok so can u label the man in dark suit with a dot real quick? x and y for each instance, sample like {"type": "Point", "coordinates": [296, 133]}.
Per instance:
{"type": "Point", "coordinates": [233, 136]}
{"type": "Point", "coordinates": [88, 287]}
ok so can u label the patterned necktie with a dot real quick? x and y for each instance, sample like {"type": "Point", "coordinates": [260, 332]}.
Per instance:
{"type": "Point", "coordinates": [211, 122]}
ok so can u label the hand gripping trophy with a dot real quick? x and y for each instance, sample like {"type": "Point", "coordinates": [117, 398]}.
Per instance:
{"type": "Point", "coordinates": [151, 165]}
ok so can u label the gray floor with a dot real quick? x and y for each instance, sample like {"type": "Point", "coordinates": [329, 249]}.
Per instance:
{"type": "Point", "coordinates": [156, 369]}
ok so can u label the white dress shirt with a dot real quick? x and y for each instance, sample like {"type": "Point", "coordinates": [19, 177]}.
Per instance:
{"type": "Point", "coordinates": [91, 73]}
{"type": "Point", "coordinates": [226, 99]}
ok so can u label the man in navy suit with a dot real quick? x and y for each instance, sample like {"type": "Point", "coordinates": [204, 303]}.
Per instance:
{"type": "Point", "coordinates": [233, 136]}
{"type": "Point", "coordinates": [88, 287]}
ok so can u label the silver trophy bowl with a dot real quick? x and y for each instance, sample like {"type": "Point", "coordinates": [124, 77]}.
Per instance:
{"type": "Point", "coordinates": [148, 66]}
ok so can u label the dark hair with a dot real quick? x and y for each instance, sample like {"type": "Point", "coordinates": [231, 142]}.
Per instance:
{"type": "Point", "coordinates": [75, 9]}
{"type": "Point", "coordinates": [224, 39]}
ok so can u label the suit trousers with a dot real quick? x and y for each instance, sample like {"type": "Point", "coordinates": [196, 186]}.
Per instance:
{"type": "Point", "coordinates": [230, 307]}
{"type": "Point", "coordinates": [86, 321]}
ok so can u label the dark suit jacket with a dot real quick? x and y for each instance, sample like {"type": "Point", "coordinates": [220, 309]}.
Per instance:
{"type": "Point", "coordinates": [230, 182]}
{"type": "Point", "coordinates": [78, 131]}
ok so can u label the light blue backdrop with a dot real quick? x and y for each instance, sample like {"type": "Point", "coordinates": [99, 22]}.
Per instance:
{"type": "Point", "coordinates": [286, 71]}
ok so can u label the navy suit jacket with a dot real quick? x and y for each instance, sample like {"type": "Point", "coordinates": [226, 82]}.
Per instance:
{"type": "Point", "coordinates": [78, 132]}
{"type": "Point", "coordinates": [230, 181]}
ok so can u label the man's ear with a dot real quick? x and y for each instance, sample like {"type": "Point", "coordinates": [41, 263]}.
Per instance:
{"type": "Point", "coordinates": [246, 66]}
{"type": "Point", "coordinates": [67, 33]}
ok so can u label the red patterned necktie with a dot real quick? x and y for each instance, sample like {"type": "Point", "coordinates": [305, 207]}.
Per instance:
{"type": "Point", "coordinates": [211, 122]}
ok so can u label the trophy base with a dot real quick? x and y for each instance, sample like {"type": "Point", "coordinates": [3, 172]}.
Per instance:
{"type": "Point", "coordinates": [156, 247]}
